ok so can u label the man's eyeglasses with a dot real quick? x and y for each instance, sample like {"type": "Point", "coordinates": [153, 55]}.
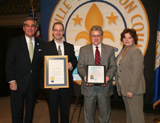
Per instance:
{"type": "Point", "coordinates": [94, 36]}
{"type": "Point", "coordinates": [56, 30]}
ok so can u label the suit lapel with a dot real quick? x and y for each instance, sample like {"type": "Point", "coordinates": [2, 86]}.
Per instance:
{"type": "Point", "coordinates": [25, 48]}
{"type": "Point", "coordinates": [120, 53]}
{"type": "Point", "coordinates": [127, 52]}
{"type": "Point", "coordinates": [53, 48]}
{"type": "Point", "coordinates": [35, 49]}
{"type": "Point", "coordinates": [91, 56]}
{"type": "Point", "coordinates": [103, 53]}
{"type": "Point", "coordinates": [65, 49]}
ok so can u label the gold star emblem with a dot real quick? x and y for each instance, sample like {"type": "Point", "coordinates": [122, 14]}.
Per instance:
{"type": "Point", "coordinates": [77, 20]}
{"type": "Point", "coordinates": [112, 18]}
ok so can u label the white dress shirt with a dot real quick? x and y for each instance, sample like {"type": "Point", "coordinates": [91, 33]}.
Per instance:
{"type": "Point", "coordinates": [94, 49]}
{"type": "Point", "coordinates": [28, 40]}
{"type": "Point", "coordinates": [61, 46]}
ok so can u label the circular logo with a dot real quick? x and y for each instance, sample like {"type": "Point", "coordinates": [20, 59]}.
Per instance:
{"type": "Point", "coordinates": [113, 16]}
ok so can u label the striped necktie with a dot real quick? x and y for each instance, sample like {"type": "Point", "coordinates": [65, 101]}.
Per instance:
{"type": "Point", "coordinates": [97, 57]}
{"type": "Point", "coordinates": [59, 50]}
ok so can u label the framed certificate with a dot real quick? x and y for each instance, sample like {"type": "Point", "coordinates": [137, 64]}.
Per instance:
{"type": "Point", "coordinates": [56, 72]}
{"type": "Point", "coordinates": [96, 74]}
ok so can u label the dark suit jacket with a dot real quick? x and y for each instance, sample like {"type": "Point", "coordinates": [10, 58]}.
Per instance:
{"type": "Point", "coordinates": [50, 49]}
{"type": "Point", "coordinates": [19, 66]}
{"type": "Point", "coordinates": [86, 57]}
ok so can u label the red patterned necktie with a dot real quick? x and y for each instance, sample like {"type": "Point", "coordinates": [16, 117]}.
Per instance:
{"type": "Point", "coordinates": [97, 57]}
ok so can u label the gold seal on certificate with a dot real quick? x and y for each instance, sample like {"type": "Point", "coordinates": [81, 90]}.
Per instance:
{"type": "Point", "coordinates": [96, 74]}
{"type": "Point", "coordinates": [56, 72]}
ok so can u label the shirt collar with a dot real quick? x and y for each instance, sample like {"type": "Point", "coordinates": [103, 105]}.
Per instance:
{"type": "Point", "coordinates": [28, 39]}
{"type": "Point", "coordinates": [59, 44]}
{"type": "Point", "coordinates": [99, 45]}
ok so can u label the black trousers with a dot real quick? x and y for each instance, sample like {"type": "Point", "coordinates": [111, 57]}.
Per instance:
{"type": "Point", "coordinates": [18, 100]}
{"type": "Point", "coordinates": [60, 98]}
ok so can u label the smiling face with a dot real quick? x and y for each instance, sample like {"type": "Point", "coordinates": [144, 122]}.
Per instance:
{"type": "Point", "coordinates": [58, 32]}
{"type": "Point", "coordinates": [96, 37]}
{"type": "Point", "coordinates": [29, 28]}
{"type": "Point", "coordinates": [128, 40]}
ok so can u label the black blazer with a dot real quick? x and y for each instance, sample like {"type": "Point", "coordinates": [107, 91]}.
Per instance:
{"type": "Point", "coordinates": [18, 64]}
{"type": "Point", "coordinates": [50, 49]}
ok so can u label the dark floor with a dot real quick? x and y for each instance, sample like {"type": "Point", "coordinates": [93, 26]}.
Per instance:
{"type": "Point", "coordinates": [41, 114]}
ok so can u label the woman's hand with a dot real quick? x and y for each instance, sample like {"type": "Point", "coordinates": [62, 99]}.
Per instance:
{"type": "Point", "coordinates": [130, 95]}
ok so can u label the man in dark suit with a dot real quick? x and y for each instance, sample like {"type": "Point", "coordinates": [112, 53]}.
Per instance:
{"type": "Point", "coordinates": [97, 53]}
{"type": "Point", "coordinates": [23, 66]}
{"type": "Point", "coordinates": [60, 96]}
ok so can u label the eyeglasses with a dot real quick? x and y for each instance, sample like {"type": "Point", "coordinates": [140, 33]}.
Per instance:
{"type": "Point", "coordinates": [56, 30]}
{"type": "Point", "coordinates": [94, 36]}
{"type": "Point", "coordinates": [27, 25]}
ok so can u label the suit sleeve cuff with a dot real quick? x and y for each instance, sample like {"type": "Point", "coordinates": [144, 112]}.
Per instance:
{"type": "Point", "coordinates": [11, 81]}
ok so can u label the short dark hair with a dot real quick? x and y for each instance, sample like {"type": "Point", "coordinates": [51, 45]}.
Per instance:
{"type": "Point", "coordinates": [132, 32]}
{"type": "Point", "coordinates": [30, 18]}
{"type": "Point", "coordinates": [56, 24]}
{"type": "Point", "coordinates": [96, 28]}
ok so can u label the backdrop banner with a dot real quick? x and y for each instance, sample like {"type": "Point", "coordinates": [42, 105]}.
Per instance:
{"type": "Point", "coordinates": [78, 16]}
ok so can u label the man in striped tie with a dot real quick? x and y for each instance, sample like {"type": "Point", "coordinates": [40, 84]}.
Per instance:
{"type": "Point", "coordinates": [97, 53]}
{"type": "Point", "coordinates": [60, 97]}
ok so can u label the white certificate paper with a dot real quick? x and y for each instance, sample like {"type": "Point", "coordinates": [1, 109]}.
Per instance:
{"type": "Point", "coordinates": [96, 74]}
{"type": "Point", "coordinates": [56, 72]}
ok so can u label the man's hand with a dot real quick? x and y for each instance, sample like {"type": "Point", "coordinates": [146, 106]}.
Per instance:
{"type": "Point", "coordinates": [119, 94]}
{"type": "Point", "coordinates": [130, 95]}
{"type": "Point", "coordinates": [107, 78]}
{"type": "Point", "coordinates": [55, 88]}
{"type": "Point", "coordinates": [85, 79]}
{"type": "Point", "coordinates": [87, 84]}
{"type": "Point", "coordinates": [70, 66]}
{"type": "Point", "coordinates": [13, 85]}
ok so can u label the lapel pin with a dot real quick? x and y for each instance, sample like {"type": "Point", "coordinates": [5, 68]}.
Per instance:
{"type": "Point", "coordinates": [37, 43]}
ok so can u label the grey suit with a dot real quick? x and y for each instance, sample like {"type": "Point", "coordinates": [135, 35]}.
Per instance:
{"type": "Point", "coordinates": [102, 94]}
{"type": "Point", "coordinates": [130, 78]}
